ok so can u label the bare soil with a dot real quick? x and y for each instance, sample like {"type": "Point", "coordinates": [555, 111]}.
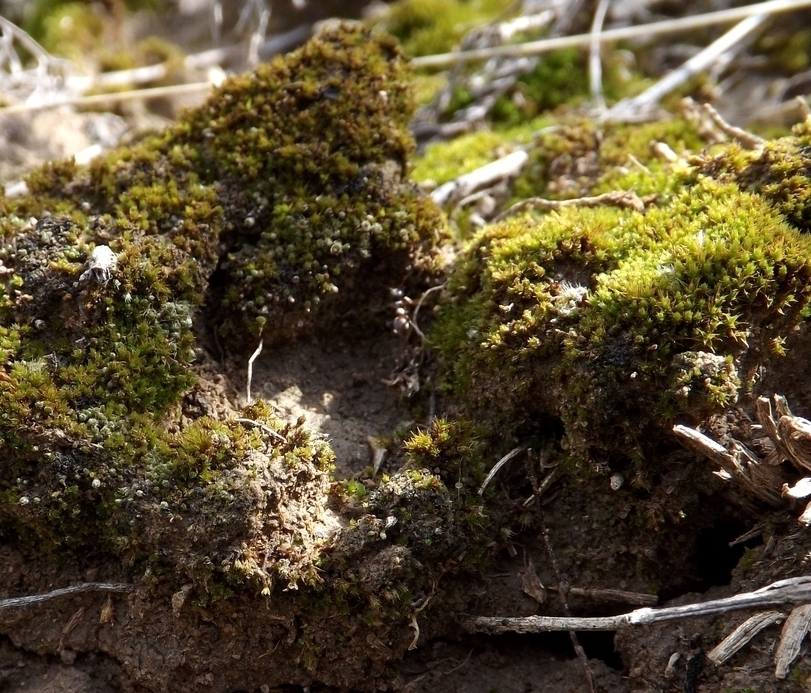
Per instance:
{"type": "Point", "coordinates": [337, 385]}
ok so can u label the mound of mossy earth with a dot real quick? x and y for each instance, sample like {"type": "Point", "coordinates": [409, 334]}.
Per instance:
{"type": "Point", "coordinates": [618, 323]}
{"type": "Point", "coordinates": [274, 205]}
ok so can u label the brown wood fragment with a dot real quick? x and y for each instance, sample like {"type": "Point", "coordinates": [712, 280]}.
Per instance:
{"type": "Point", "coordinates": [795, 433]}
{"type": "Point", "coordinates": [742, 635]}
{"type": "Point", "coordinates": [531, 584]}
{"type": "Point", "coordinates": [795, 629]}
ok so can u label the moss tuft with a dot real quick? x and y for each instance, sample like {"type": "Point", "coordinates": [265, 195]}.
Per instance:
{"type": "Point", "coordinates": [780, 171]}
{"type": "Point", "coordinates": [285, 188]}
{"type": "Point", "coordinates": [426, 27]}
{"type": "Point", "coordinates": [617, 322]}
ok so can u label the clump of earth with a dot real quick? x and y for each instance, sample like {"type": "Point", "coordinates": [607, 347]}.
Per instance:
{"type": "Point", "coordinates": [253, 381]}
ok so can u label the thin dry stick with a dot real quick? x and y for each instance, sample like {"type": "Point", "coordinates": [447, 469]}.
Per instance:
{"type": "Point", "coordinates": [595, 63]}
{"type": "Point", "coordinates": [562, 589]}
{"type": "Point", "coordinates": [747, 139]}
{"type": "Point", "coordinates": [198, 61]}
{"type": "Point", "coordinates": [618, 198]}
{"type": "Point", "coordinates": [262, 427]}
{"type": "Point", "coordinates": [95, 99]}
{"type": "Point", "coordinates": [253, 358]}
{"type": "Point", "coordinates": [644, 31]}
{"type": "Point", "coordinates": [483, 177]}
{"type": "Point", "coordinates": [498, 465]}
{"type": "Point", "coordinates": [16, 602]}
{"type": "Point", "coordinates": [695, 65]}
{"type": "Point", "coordinates": [792, 591]}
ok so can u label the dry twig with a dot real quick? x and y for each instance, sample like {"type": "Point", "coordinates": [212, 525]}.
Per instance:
{"type": "Point", "coordinates": [644, 31]}
{"type": "Point", "coordinates": [647, 103]}
{"type": "Point", "coordinates": [483, 177]}
{"type": "Point", "coordinates": [792, 591]}
{"type": "Point", "coordinates": [619, 198]}
{"type": "Point", "coordinates": [748, 140]}
{"type": "Point", "coordinates": [17, 602]}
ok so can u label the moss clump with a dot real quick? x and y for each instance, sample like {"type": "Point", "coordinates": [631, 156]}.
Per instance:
{"type": "Point", "coordinates": [579, 158]}
{"type": "Point", "coordinates": [780, 171]}
{"type": "Point", "coordinates": [204, 503]}
{"type": "Point", "coordinates": [291, 178]}
{"type": "Point", "coordinates": [426, 27]}
{"type": "Point", "coordinates": [617, 322]}
{"type": "Point", "coordinates": [286, 187]}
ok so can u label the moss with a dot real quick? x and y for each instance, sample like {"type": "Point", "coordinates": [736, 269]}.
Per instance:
{"type": "Point", "coordinates": [619, 322]}
{"type": "Point", "coordinates": [787, 48]}
{"type": "Point", "coordinates": [286, 187]}
{"type": "Point", "coordinates": [780, 171]}
{"type": "Point", "coordinates": [560, 80]}
{"type": "Point", "coordinates": [291, 178]}
{"type": "Point", "coordinates": [268, 210]}
{"type": "Point", "coordinates": [578, 158]}
{"type": "Point", "coordinates": [444, 161]}
{"type": "Point", "coordinates": [71, 30]}
{"type": "Point", "coordinates": [426, 27]}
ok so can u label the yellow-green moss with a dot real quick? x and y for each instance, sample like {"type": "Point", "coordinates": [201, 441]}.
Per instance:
{"type": "Point", "coordinates": [279, 200]}
{"type": "Point", "coordinates": [578, 157]}
{"type": "Point", "coordinates": [617, 322]}
{"type": "Point", "coordinates": [780, 171]}
{"type": "Point", "coordinates": [426, 27]}
{"type": "Point", "coordinates": [444, 161]}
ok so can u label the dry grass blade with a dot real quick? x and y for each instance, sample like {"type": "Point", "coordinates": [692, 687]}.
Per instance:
{"type": "Point", "coordinates": [253, 358]}
{"type": "Point", "coordinates": [647, 102]}
{"type": "Point", "coordinates": [498, 465]}
{"type": "Point", "coordinates": [595, 64]}
{"type": "Point", "coordinates": [108, 99]}
{"type": "Point", "coordinates": [645, 31]}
